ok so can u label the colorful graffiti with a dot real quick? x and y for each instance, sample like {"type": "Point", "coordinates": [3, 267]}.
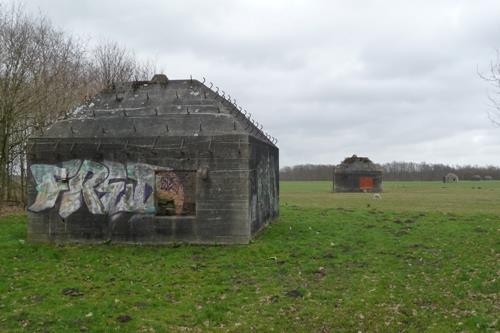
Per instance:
{"type": "Point", "coordinates": [105, 188]}
{"type": "Point", "coordinates": [170, 190]}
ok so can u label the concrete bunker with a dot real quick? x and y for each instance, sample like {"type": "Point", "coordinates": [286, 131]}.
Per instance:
{"type": "Point", "coordinates": [357, 174]}
{"type": "Point", "coordinates": [155, 162]}
{"type": "Point", "coordinates": [451, 178]}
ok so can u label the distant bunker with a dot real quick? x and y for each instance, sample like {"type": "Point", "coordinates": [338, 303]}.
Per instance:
{"type": "Point", "coordinates": [357, 174]}
{"type": "Point", "coordinates": [451, 178]}
{"type": "Point", "coordinates": [153, 162]}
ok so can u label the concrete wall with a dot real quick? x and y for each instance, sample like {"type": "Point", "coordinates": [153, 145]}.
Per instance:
{"type": "Point", "coordinates": [263, 185]}
{"type": "Point", "coordinates": [350, 181]}
{"type": "Point", "coordinates": [63, 207]}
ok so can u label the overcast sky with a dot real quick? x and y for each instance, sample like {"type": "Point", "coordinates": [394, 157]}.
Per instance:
{"type": "Point", "coordinates": [391, 80]}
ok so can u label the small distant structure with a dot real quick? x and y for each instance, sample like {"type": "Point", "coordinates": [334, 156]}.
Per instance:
{"type": "Point", "coordinates": [488, 178]}
{"type": "Point", "coordinates": [358, 174]}
{"type": "Point", "coordinates": [476, 177]}
{"type": "Point", "coordinates": [451, 178]}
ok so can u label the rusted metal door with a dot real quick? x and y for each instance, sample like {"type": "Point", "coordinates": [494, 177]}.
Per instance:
{"type": "Point", "coordinates": [366, 183]}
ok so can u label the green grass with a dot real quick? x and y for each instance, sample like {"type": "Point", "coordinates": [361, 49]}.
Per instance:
{"type": "Point", "coordinates": [330, 264]}
{"type": "Point", "coordinates": [462, 197]}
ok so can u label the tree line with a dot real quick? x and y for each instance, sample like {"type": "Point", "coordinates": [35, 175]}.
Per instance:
{"type": "Point", "coordinates": [44, 73]}
{"type": "Point", "coordinates": [394, 171]}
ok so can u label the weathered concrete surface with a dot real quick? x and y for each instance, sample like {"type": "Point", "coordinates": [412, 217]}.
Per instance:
{"type": "Point", "coordinates": [357, 174]}
{"type": "Point", "coordinates": [153, 162]}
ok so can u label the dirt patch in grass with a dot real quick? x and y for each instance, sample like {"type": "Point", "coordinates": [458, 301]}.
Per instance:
{"type": "Point", "coordinates": [6, 210]}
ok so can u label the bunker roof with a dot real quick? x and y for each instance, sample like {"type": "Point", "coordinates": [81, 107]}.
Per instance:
{"type": "Point", "coordinates": [159, 107]}
{"type": "Point", "coordinates": [356, 164]}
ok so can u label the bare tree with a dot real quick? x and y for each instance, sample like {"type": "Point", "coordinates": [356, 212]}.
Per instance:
{"type": "Point", "coordinates": [493, 77]}
{"type": "Point", "coordinates": [44, 73]}
{"type": "Point", "coordinates": [39, 79]}
{"type": "Point", "coordinates": [114, 63]}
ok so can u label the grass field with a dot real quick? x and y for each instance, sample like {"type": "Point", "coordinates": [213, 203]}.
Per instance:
{"type": "Point", "coordinates": [425, 258]}
{"type": "Point", "coordinates": [462, 197]}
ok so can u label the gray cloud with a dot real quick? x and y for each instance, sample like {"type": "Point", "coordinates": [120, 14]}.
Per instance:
{"type": "Point", "coordinates": [394, 80]}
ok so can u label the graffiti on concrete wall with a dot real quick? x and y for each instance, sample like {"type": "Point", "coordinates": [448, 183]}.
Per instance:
{"type": "Point", "coordinates": [265, 202]}
{"type": "Point", "coordinates": [105, 188]}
